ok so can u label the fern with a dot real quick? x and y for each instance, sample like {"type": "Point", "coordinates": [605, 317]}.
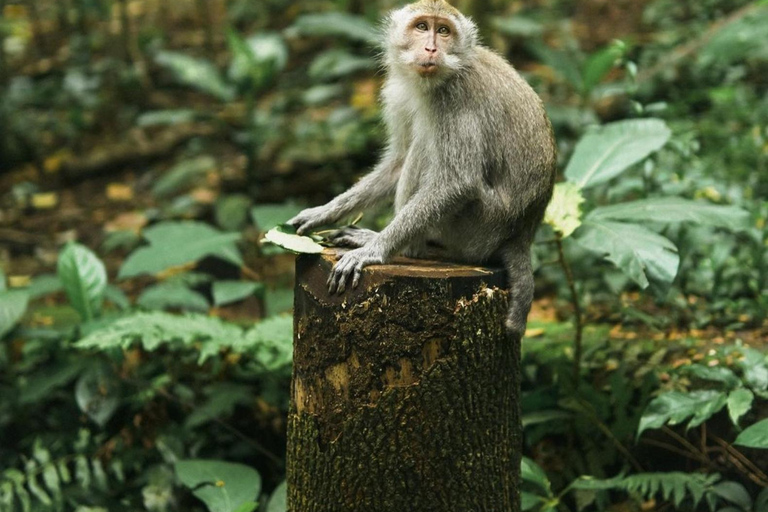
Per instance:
{"type": "Point", "coordinates": [673, 486]}
{"type": "Point", "coordinates": [44, 482]}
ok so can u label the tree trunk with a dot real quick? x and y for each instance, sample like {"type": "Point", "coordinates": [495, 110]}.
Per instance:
{"type": "Point", "coordinates": [405, 391]}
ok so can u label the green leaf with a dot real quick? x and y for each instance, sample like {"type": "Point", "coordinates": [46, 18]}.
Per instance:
{"type": "Point", "coordinates": [157, 328]}
{"type": "Point", "coordinates": [227, 292]}
{"type": "Point", "coordinates": [43, 285]}
{"type": "Point", "coordinates": [599, 64]}
{"type": "Point", "coordinates": [222, 486]}
{"type": "Point", "coordinates": [97, 395]}
{"type": "Point", "coordinates": [268, 216]}
{"type": "Point", "coordinates": [518, 26]}
{"type": "Point", "coordinates": [715, 374]}
{"type": "Point", "coordinates": [608, 151]}
{"type": "Point", "coordinates": [755, 436]}
{"type": "Point", "coordinates": [338, 63]}
{"type": "Point", "coordinates": [13, 305]}
{"type": "Point", "coordinates": [675, 407]}
{"type": "Point", "coordinates": [278, 502]}
{"type": "Point", "coordinates": [674, 209]}
{"type": "Point", "coordinates": [173, 244]}
{"type": "Point", "coordinates": [336, 24]}
{"type": "Point", "coordinates": [182, 176]}
{"type": "Point", "coordinates": [232, 211]}
{"type": "Point", "coordinates": [117, 297]}
{"type": "Point", "coordinates": [199, 74]}
{"type": "Point", "coordinates": [271, 342]}
{"type": "Point", "coordinates": [84, 279]}
{"type": "Point", "coordinates": [166, 117]}
{"type": "Point", "coordinates": [292, 242]}
{"type": "Point", "coordinates": [172, 296]}
{"type": "Point", "coordinates": [564, 210]}
{"type": "Point", "coordinates": [638, 252]}
{"type": "Point", "coordinates": [528, 501]}
{"type": "Point", "coordinates": [735, 493]}
{"type": "Point", "coordinates": [3, 285]}
{"type": "Point", "coordinates": [531, 472]}
{"type": "Point", "coordinates": [256, 60]}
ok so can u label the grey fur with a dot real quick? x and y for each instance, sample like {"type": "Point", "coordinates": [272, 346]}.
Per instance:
{"type": "Point", "coordinates": [470, 165]}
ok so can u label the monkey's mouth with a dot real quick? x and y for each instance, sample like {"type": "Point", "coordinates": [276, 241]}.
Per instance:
{"type": "Point", "coordinates": [427, 68]}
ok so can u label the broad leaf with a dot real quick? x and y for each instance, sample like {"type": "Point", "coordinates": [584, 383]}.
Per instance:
{"type": "Point", "coordinates": [84, 278]}
{"type": "Point", "coordinates": [599, 64]}
{"type": "Point", "coordinates": [278, 500]}
{"type": "Point", "coordinates": [739, 403]}
{"type": "Point", "coordinates": [608, 151]}
{"type": "Point", "coordinates": [166, 117]}
{"type": "Point", "coordinates": [531, 472]}
{"type": "Point", "coordinates": [221, 402]}
{"type": "Point", "coordinates": [674, 209]}
{"type": "Point", "coordinates": [638, 252]}
{"type": "Point", "coordinates": [564, 210]}
{"type": "Point", "coordinates": [755, 436]}
{"type": "Point", "coordinates": [354, 28]}
{"type": "Point", "coordinates": [675, 407]}
{"type": "Point", "coordinates": [196, 73]}
{"type": "Point", "coordinates": [172, 296]}
{"type": "Point", "coordinates": [13, 305]}
{"type": "Point", "coordinates": [256, 60]}
{"type": "Point", "coordinates": [173, 244]}
{"type": "Point", "coordinates": [292, 242]}
{"type": "Point", "coordinates": [222, 486]}
{"type": "Point", "coordinates": [232, 212]}
{"type": "Point", "coordinates": [338, 63]}
{"type": "Point", "coordinates": [734, 492]}
{"type": "Point", "coordinates": [227, 292]}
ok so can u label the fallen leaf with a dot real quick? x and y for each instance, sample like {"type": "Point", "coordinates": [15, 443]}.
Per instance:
{"type": "Point", "coordinates": [19, 281]}
{"type": "Point", "coordinates": [129, 221]}
{"type": "Point", "coordinates": [45, 201]}
{"type": "Point", "coordinates": [534, 333]}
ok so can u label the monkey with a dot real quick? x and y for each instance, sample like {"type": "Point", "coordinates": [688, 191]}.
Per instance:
{"type": "Point", "coordinates": [470, 159]}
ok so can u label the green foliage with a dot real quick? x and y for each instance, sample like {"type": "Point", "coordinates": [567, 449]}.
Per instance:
{"type": "Point", "coordinates": [227, 292]}
{"type": "Point", "coordinates": [222, 486]}
{"type": "Point", "coordinates": [232, 211]}
{"type": "Point", "coordinates": [84, 278]}
{"type": "Point", "coordinates": [606, 152]}
{"type": "Point", "coordinates": [279, 498]}
{"type": "Point", "coordinates": [172, 295]}
{"type": "Point", "coordinates": [13, 305]}
{"type": "Point", "coordinates": [196, 73]}
{"type": "Point", "coordinates": [182, 175]}
{"type": "Point", "coordinates": [336, 24]}
{"type": "Point", "coordinates": [338, 63]}
{"type": "Point", "coordinates": [755, 436]}
{"type": "Point", "coordinates": [268, 216]}
{"type": "Point", "coordinates": [672, 210]}
{"type": "Point", "coordinates": [256, 60]}
{"type": "Point", "coordinates": [173, 244]}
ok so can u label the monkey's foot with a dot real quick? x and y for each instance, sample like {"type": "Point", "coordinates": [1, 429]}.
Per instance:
{"type": "Point", "coordinates": [351, 265]}
{"type": "Point", "coordinates": [352, 236]}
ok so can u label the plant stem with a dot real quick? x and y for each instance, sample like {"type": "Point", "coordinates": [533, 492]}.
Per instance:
{"type": "Point", "coordinates": [578, 317]}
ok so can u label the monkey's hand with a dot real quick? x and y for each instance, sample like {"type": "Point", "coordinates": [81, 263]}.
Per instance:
{"type": "Point", "coordinates": [352, 236]}
{"type": "Point", "coordinates": [312, 218]}
{"type": "Point", "coordinates": [351, 264]}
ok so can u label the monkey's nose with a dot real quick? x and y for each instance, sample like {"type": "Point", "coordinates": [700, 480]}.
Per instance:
{"type": "Point", "coordinates": [430, 50]}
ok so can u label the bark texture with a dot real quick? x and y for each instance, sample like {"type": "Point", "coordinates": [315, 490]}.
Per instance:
{"type": "Point", "coordinates": [404, 391]}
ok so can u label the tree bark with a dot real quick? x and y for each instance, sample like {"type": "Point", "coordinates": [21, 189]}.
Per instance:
{"type": "Point", "coordinates": [405, 391]}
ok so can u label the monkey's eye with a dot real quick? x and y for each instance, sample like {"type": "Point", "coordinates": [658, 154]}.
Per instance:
{"type": "Point", "coordinates": [422, 26]}
{"type": "Point", "coordinates": [443, 31]}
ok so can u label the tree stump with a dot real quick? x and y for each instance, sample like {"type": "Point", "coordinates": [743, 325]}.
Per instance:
{"type": "Point", "coordinates": [404, 395]}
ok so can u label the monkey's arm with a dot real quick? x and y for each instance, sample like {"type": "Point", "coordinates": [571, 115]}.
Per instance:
{"type": "Point", "coordinates": [375, 187]}
{"type": "Point", "coordinates": [419, 214]}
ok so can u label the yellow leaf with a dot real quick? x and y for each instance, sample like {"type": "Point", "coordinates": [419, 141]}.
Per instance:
{"type": "Point", "coordinates": [45, 201]}
{"type": "Point", "coordinates": [19, 281]}
{"type": "Point", "coordinates": [119, 192]}
{"type": "Point", "coordinates": [564, 211]}
{"type": "Point", "coordinates": [534, 333]}
{"type": "Point", "coordinates": [54, 163]}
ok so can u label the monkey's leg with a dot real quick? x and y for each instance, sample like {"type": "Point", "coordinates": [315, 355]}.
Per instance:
{"type": "Point", "coordinates": [352, 236]}
{"type": "Point", "coordinates": [517, 258]}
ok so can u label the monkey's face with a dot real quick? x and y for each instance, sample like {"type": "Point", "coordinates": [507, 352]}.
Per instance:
{"type": "Point", "coordinates": [430, 43]}
{"type": "Point", "coordinates": [429, 39]}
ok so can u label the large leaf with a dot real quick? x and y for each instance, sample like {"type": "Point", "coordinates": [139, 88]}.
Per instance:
{"type": "Point", "coordinates": [258, 59]}
{"type": "Point", "coordinates": [278, 500]}
{"type": "Point", "coordinates": [222, 486]}
{"type": "Point", "coordinates": [13, 305]}
{"type": "Point", "coordinates": [608, 151]}
{"type": "Point", "coordinates": [674, 209]}
{"type": "Point", "coordinates": [196, 73]}
{"type": "Point", "coordinates": [755, 436]}
{"type": "Point", "coordinates": [675, 407]}
{"type": "Point", "coordinates": [639, 253]}
{"type": "Point", "coordinates": [179, 243]}
{"type": "Point", "coordinates": [97, 395]}
{"type": "Point", "coordinates": [349, 26]}
{"type": "Point", "coordinates": [267, 216]}
{"type": "Point", "coordinates": [84, 279]}
{"type": "Point", "coordinates": [227, 292]}
{"type": "Point", "coordinates": [338, 63]}
{"type": "Point", "coordinates": [293, 242]}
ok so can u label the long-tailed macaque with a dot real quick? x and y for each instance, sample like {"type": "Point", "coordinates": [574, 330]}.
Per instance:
{"type": "Point", "coordinates": [470, 161]}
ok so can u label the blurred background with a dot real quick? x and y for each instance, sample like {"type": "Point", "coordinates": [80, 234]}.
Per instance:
{"type": "Point", "coordinates": [146, 146]}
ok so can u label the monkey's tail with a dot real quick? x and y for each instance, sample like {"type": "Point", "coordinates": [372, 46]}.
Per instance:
{"type": "Point", "coordinates": [517, 260]}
